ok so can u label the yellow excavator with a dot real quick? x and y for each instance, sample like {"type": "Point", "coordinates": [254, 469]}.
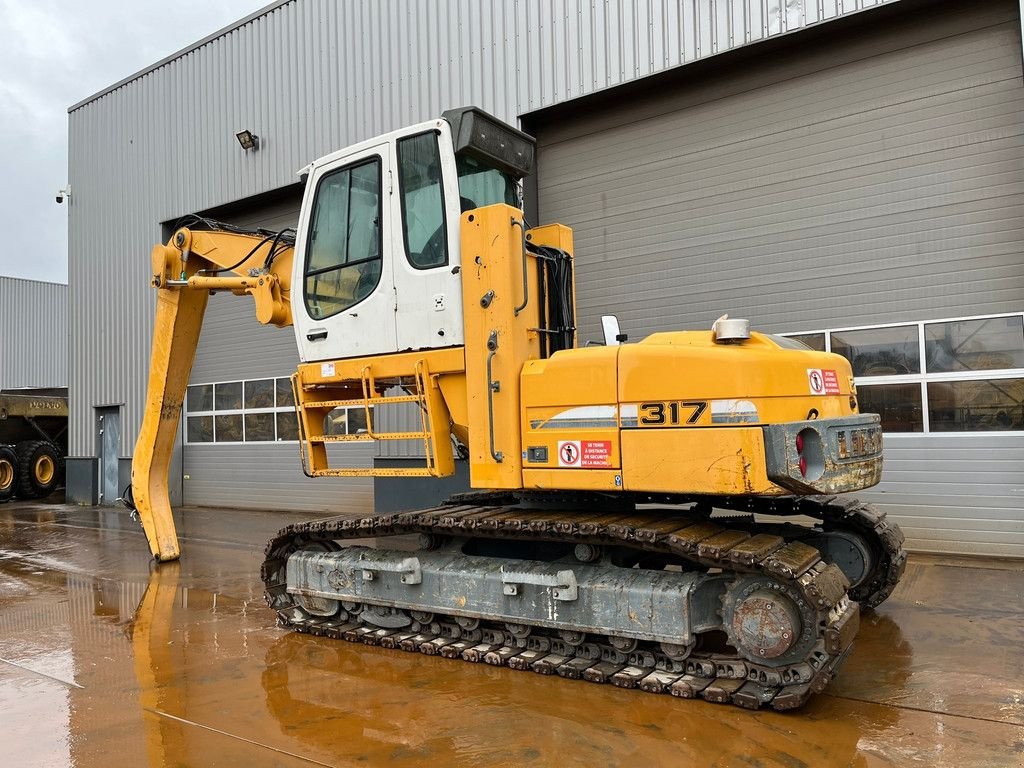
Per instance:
{"type": "Point", "coordinates": [633, 514]}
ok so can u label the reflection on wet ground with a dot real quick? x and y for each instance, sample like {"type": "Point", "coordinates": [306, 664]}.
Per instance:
{"type": "Point", "coordinates": [107, 662]}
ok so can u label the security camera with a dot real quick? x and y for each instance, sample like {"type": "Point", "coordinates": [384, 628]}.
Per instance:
{"type": "Point", "coordinates": [61, 194]}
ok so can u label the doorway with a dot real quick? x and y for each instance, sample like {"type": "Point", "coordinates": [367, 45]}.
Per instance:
{"type": "Point", "coordinates": [108, 449]}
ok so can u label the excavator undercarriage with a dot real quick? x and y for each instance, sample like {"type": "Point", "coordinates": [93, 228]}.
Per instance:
{"type": "Point", "coordinates": [683, 600]}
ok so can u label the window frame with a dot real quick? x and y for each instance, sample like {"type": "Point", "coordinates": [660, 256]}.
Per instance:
{"type": "Point", "coordinates": [381, 209]}
{"type": "Point", "coordinates": [924, 378]}
{"type": "Point", "coordinates": [275, 409]}
{"type": "Point", "coordinates": [401, 203]}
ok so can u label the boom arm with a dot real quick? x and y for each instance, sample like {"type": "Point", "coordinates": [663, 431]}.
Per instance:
{"type": "Point", "coordinates": [193, 264]}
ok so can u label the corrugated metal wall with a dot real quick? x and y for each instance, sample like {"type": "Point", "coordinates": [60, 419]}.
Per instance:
{"type": "Point", "coordinates": [33, 333]}
{"type": "Point", "coordinates": [258, 475]}
{"type": "Point", "coordinates": [880, 181]}
{"type": "Point", "coordinates": [311, 76]}
{"type": "Point", "coordinates": [955, 493]}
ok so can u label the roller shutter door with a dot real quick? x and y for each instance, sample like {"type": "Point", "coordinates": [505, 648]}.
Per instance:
{"type": "Point", "coordinates": [877, 178]}
{"type": "Point", "coordinates": [235, 347]}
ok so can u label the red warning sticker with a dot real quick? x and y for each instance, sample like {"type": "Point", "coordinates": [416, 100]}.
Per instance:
{"type": "Point", "coordinates": [596, 453]}
{"type": "Point", "coordinates": [584, 453]}
{"type": "Point", "coordinates": [822, 382]}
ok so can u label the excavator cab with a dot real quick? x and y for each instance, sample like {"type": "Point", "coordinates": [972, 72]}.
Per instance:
{"type": "Point", "coordinates": [378, 245]}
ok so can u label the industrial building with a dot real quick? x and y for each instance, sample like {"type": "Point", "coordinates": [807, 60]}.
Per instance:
{"type": "Point", "coordinates": [847, 171]}
{"type": "Point", "coordinates": [33, 334]}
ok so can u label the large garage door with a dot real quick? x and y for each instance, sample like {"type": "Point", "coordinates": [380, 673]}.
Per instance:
{"type": "Point", "coordinates": [874, 177]}
{"type": "Point", "coordinates": [240, 447]}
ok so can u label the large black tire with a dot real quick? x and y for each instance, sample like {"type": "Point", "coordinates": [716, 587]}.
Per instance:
{"type": "Point", "coordinates": [39, 468]}
{"type": "Point", "coordinates": [8, 473]}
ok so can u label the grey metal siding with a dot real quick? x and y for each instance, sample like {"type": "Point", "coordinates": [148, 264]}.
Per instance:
{"type": "Point", "coordinates": [233, 346]}
{"type": "Point", "coordinates": [872, 190]}
{"type": "Point", "coordinates": [956, 493]}
{"type": "Point", "coordinates": [401, 417]}
{"type": "Point", "coordinates": [881, 180]}
{"type": "Point", "coordinates": [33, 333]}
{"type": "Point", "coordinates": [269, 476]}
{"type": "Point", "coordinates": [312, 76]}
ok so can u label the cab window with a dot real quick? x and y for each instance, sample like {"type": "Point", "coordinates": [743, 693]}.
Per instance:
{"type": "Point", "coordinates": [423, 220]}
{"type": "Point", "coordinates": [480, 185]}
{"type": "Point", "coordinates": [343, 259]}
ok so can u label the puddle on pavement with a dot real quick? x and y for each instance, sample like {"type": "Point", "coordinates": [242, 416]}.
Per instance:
{"type": "Point", "coordinates": [100, 670]}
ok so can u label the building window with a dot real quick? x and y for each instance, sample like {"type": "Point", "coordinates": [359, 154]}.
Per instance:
{"type": "Point", "coordinates": [891, 351]}
{"type": "Point", "coordinates": [255, 411]}
{"type": "Point", "coordinates": [815, 341]}
{"type": "Point", "coordinates": [957, 375]}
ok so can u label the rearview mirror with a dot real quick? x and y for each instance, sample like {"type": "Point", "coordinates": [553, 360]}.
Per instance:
{"type": "Point", "coordinates": [610, 326]}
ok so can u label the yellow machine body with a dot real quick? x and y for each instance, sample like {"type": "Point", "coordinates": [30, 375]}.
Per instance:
{"type": "Point", "coordinates": [677, 413]}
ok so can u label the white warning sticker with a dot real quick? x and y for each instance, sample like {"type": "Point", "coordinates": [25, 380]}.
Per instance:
{"type": "Point", "coordinates": [822, 382]}
{"type": "Point", "coordinates": [568, 453]}
{"type": "Point", "coordinates": [326, 369]}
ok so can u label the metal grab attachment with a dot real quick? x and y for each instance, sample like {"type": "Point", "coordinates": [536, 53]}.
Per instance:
{"type": "Point", "coordinates": [492, 387]}
{"type": "Point", "coordinates": [526, 283]}
{"type": "Point", "coordinates": [409, 568]}
{"type": "Point", "coordinates": [563, 583]}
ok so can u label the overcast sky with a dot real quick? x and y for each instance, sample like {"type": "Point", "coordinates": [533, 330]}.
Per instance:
{"type": "Point", "coordinates": [54, 54]}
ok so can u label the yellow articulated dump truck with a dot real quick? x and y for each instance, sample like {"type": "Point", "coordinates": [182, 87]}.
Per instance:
{"type": "Point", "coordinates": [33, 442]}
{"type": "Point", "coordinates": [632, 518]}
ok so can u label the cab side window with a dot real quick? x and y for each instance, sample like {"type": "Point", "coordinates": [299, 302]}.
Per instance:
{"type": "Point", "coordinates": [343, 258]}
{"type": "Point", "coordinates": [423, 220]}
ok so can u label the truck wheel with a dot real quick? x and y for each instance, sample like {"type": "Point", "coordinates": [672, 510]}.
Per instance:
{"type": "Point", "coordinates": [8, 472]}
{"type": "Point", "coordinates": [39, 465]}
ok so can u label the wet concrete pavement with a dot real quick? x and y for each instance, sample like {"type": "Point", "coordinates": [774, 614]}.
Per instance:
{"type": "Point", "coordinates": [105, 661]}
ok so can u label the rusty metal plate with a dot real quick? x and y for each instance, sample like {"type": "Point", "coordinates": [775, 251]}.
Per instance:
{"type": "Point", "coordinates": [793, 560]}
{"type": "Point", "coordinates": [688, 538]}
{"type": "Point", "coordinates": [716, 546]}
{"type": "Point", "coordinates": [689, 686]}
{"type": "Point", "coordinates": [839, 635]}
{"type": "Point", "coordinates": [721, 690]}
{"type": "Point", "coordinates": [753, 695]}
{"type": "Point", "coordinates": [755, 549]}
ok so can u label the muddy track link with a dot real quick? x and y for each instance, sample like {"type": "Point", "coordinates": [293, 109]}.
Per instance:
{"type": "Point", "coordinates": [738, 546]}
{"type": "Point", "coordinates": [842, 514]}
{"type": "Point", "coordinates": [835, 513]}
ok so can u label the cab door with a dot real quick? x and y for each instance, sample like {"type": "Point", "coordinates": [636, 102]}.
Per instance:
{"type": "Point", "coordinates": [343, 294]}
{"type": "Point", "coordinates": [428, 285]}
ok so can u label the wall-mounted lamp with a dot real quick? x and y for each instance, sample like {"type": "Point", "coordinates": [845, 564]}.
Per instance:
{"type": "Point", "coordinates": [248, 140]}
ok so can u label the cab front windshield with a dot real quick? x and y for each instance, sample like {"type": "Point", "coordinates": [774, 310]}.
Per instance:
{"type": "Point", "coordinates": [480, 185]}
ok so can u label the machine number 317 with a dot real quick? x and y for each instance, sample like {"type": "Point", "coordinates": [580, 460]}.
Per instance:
{"type": "Point", "coordinates": [671, 413]}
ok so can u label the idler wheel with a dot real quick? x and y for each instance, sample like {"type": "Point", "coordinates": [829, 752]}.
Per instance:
{"type": "Point", "coordinates": [849, 551]}
{"type": "Point", "coordinates": [766, 624]}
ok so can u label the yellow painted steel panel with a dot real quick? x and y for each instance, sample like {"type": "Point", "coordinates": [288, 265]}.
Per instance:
{"type": "Point", "coordinates": [715, 460]}
{"type": "Point", "coordinates": [572, 479]}
{"type": "Point", "coordinates": [500, 334]}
